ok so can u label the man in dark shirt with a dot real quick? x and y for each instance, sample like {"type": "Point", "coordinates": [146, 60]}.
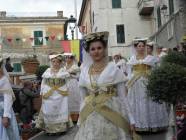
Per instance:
{"type": "Point", "coordinates": [8, 66]}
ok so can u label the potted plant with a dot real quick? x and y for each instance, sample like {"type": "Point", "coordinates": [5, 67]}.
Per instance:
{"type": "Point", "coordinates": [30, 64]}
{"type": "Point", "coordinates": [167, 82]}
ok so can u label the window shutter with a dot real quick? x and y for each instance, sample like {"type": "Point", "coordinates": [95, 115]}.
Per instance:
{"type": "Point", "coordinates": [116, 3]}
{"type": "Point", "coordinates": [120, 33]}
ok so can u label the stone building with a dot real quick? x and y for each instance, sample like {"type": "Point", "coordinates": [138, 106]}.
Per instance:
{"type": "Point", "coordinates": [124, 19]}
{"type": "Point", "coordinates": [21, 37]}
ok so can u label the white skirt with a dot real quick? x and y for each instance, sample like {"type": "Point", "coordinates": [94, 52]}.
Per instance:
{"type": "Point", "coordinates": [147, 113]}
{"type": "Point", "coordinates": [12, 132]}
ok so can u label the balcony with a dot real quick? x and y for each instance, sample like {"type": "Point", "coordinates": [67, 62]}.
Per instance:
{"type": "Point", "coordinates": [145, 7]}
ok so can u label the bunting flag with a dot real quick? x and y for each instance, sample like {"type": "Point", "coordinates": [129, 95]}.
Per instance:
{"type": "Point", "coordinates": [18, 39]}
{"type": "Point", "coordinates": [40, 39]}
{"type": "Point", "coordinates": [75, 48]}
{"type": "Point", "coordinates": [52, 37]}
{"type": "Point", "coordinates": [59, 37]}
{"type": "Point", "coordinates": [9, 40]}
{"type": "Point", "coordinates": [24, 39]}
{"type": "Point", "coordinates": [47, 38]}
{"type": "Point", "coordinates": [65, 44]}
{"type": "Point", "coordinates": [31, 39]}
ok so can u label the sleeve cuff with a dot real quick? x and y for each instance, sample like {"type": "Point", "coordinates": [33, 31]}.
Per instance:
{"type": "Point", "coordinates": [132, 121]}
{"type": "Point", "coordinates": [8, 115]}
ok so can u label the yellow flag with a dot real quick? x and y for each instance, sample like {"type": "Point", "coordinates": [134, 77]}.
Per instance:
{"type": "Point", "coordinates": [75, 48]}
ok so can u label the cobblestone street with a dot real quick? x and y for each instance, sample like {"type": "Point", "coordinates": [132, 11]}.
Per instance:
{"type": "Point", "coordinates": [68, 136]}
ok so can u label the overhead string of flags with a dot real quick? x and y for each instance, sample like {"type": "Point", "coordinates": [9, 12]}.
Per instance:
{"type": "Point", "coordinates": [68, 46]}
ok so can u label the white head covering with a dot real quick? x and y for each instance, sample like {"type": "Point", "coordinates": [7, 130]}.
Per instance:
{"type": "Point", "coordinates": [153, 45]}
{"type": "Point", "coordinates": [87, 60]}
{"type": "Point", "coordinates": [8, 86]}
{"type": "Point", "coordinates": [4, 69]}
{"type": "Point", "coordinates": [55, 56]}
{"type": "Point", "coordinates": [135, 42]}
{"type": "Point", "coordinates": [68, 54]}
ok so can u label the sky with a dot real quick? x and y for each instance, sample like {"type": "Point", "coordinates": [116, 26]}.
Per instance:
{"type": "Point", "coordinates": [41, 8]}
{"type": "Point", "coordinates": [38, 7]}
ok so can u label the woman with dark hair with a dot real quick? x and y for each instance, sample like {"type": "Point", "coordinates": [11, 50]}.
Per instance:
{"type": "Point", "coordinates": [151, 118]}
{"type": "Point", "coordinates": [54, 114]}
{"type": "Point", "coordinates": [8, 124]}
{"type": "Point", "coordinates": [104, 112]}
{"type": "Point", "coordinates": [150, 48]}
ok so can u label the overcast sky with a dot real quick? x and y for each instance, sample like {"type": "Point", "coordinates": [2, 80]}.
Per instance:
{"type": "Point", "coordinates": [38, 7]}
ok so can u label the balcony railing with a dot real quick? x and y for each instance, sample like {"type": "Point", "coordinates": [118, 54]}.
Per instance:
{"type": "Point", "coordinates": [146, 7]}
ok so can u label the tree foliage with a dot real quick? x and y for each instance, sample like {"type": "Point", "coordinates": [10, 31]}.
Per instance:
{"type": "Point", "coordinates": [167, 82]}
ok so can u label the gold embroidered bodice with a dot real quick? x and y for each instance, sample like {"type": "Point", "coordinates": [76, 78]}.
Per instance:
{"type": "Point", "coordinates": [55, 82]}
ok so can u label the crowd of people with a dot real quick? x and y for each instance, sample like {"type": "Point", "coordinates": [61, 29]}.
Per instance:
{"type": "Point", "coordinates": [109, 97]}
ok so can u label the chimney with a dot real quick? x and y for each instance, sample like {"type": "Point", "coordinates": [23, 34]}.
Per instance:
{"type": "Point", "coordinates": [60, 14]}
{"type": "Point", "coordinates": [2, 14]}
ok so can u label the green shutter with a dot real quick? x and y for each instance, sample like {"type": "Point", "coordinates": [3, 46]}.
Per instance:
{"type": "Point", "coordinates": [120, 33]}
{"type": "Point", "coordinates": [116, 3]}
{"type": "Point", "coordinates": [171, 7]}
{"type": "Point", "coordinates": [37, 34]}
{"type": "Point", "coordinates": [159, 17]}
{"type": "Point", "coordinates": [17, 67]}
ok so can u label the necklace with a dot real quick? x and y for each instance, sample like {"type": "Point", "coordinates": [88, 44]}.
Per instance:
{"type": "Point", "coordinates": [95, 70]}
{"type": "Point", "coordinates": [55, 70]}
{"type": "Point", "coordinates": [140, 56]}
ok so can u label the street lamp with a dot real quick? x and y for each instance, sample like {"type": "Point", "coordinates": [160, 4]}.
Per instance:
{"type": "Point", "coordinates": [72, 23]}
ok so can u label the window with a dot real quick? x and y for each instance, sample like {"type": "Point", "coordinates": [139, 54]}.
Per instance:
{"type": "Point", "coordinates": [38, 38]}
{"type": "Point", "coordinates": [116, 3]}
{"type": "Point", "coordinates": [170, 29]}
{"type": "Point", "coordinates": [17, 67]}
{"type": "Point", "coordinates": [159, 17]}
{"type": "Point", "coordinates": [120, 33]}
{"type": "Point", "coordinates": [171, 7]}
{"type": "Point", "coordinates": [93, 16]}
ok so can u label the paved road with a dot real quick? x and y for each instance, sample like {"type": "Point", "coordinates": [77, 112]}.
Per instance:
{"type": "Point", "coordinates": [68, 136]}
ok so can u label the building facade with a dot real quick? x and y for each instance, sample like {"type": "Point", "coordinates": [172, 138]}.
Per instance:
{"type": "Point", "coordinates": [170, 18]}
{"type": "Point", "coordinates": [26, 36]}
{"type": "Point", "coordinates": [85, 23]}
{"type": "Point", "coordinates": [124, 19]}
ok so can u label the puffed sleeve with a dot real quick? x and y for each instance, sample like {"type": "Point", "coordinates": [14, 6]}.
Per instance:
{"type": "Point", "coordinates": [83, 93]}
{"type": "Point", "coordinates": [42, 86]}
{"type": "Point", "coordinates": [121, 90]}
{"type": "Point", "coordinates": [8, 101]}
{"type": "Point", "coordinates": [8, 98]}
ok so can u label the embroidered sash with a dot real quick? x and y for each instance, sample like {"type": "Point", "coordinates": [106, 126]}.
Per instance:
{"type": "Point", "coordinates": [54, 88]}
{"type": "Point", "coordinates": [139, 71]}
{"type": "Point", "coordinates": [96, 102]}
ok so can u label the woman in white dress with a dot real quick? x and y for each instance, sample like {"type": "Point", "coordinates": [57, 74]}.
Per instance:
{"type": "Point", "coordinates": [54, 114]}
{"type": "Point", "coordinates": [104, 113]}
{"type": "Point", "coordinates": [72, 83]}
{"type": "Point", "coordinates": [8, 124]}
{"type": "Point", "coordinates": [151, 118]}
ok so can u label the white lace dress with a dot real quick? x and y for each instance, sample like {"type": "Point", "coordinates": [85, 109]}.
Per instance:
{"type": "Point", "coordinates": [74, 93]}
{"type": "Point", "coordinates": [6, 101]}
{"type": "Point", "coordinates": [54, 113]}
{"type": "Point", "coordinates": [96, 126]}
{"type": "Point", "coordinates": [149, 116]}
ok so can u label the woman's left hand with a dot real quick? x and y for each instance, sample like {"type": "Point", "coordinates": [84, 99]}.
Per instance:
{"type": "Point", "coordinates": [132, 129]}
{"type": "Point", "coordinates": [5, 121]}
